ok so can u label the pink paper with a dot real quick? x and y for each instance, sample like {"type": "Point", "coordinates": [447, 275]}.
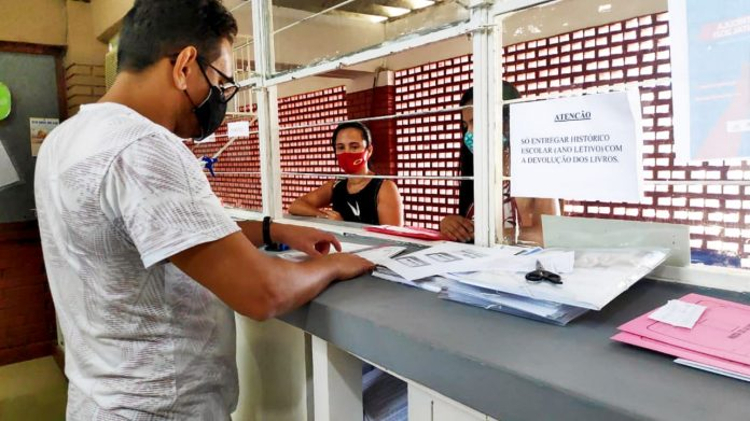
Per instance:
{"type": "Point", "coordinates": [697, 357]}
{"type": "Point", "coordinates": [408, 232]}
{"type": "Point", "coordinates": [723, 331]}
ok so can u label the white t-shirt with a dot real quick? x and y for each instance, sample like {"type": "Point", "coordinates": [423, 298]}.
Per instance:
{"type": "Point", "coordinates": [116, 196]}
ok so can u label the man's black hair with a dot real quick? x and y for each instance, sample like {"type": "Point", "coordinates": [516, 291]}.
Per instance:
{"type": "Point", "coordinates": [366, 135]}
{"type": "Point", "coordinates": [154, 29]}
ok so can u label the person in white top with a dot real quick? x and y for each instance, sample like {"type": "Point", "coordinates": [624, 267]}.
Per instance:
{"type": "Point", "coordinates": [144, 265]}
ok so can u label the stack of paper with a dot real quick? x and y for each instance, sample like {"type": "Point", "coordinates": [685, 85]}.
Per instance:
{"type": "Point", "coordinates": [453, 290]}
{"type": "Point", "coordinates": [456, 257]}
{"type": "Point", "coordinates": [703, 332]}
{"type": "Point", "coordinates": [597, 277]}
{"type": "Point", "coordinates": [375, 254]}
{"type": "Point", "coordinates": [433, 284]}
{"type": "Point", "coordinates": [545, 311]}
{"type": "Point", "coordinates": [496, 278]}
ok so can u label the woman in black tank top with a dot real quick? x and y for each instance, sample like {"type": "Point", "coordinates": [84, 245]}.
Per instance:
{"type": "Point", "coordinates": [361, 206]}
{"type": "Point", "coordinates": [364, 200]}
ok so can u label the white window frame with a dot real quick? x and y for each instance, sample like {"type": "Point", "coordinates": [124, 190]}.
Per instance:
{"type": "Point", "coordinates": [488, 177]}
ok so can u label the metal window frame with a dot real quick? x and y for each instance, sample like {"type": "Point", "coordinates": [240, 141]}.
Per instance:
{"type": "Point", "coordinates": [266, 82]}
{"type": "Point", "coordinates": [485, 24]}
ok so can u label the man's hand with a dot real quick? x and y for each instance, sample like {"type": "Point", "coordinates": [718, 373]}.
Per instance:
{"type": "Point", "coordinates": [307, 240]}
{"type": "Point", "coordinates": [350, 265]}
{"type": "Point", "coordinates": [457, 228]}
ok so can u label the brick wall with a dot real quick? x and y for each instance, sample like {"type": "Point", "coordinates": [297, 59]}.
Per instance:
{"type": "Point", "coordinates": [27, 315]}
{"type": "Point", "coordinates": [232, 184]}
{"type": "Point", "coordinates": [372, 103]}
{"type": "Point", "coordinates": [430, 144]}
{"type": "Point", "coordinates": [84, 84]}
{"type": "Point", "coordinates": [308, 149]}
{"type": "Point", "coordinates": [637, 51]}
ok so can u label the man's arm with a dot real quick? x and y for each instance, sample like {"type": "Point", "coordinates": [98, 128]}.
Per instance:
{"type": "Point", "coordinates": [260, 286]}
{"type": "Point", "coordinates": [253, 230]}
{"type": "Point", "coordinates": [308, 240]}
{"type": "Point", "coordinates": [530, 211]}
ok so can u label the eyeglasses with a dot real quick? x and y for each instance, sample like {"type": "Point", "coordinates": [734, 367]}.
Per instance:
{"type": "Point", "coordinates": [228, 90]}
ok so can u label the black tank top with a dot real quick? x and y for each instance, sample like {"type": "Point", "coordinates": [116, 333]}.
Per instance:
{"type": "Point", "coordinates": [359, 207]}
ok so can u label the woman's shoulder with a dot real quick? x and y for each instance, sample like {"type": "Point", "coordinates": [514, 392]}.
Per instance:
{"type": "Point", "coordinates": [388, 186]}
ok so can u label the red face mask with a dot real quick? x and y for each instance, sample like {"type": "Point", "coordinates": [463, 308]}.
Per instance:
{"type": "Point", "coordinates": [352, 162]}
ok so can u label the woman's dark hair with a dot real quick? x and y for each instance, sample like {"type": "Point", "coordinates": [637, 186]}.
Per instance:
{"type": "Point", "coordinates": [466, 188]}
{"type": "Point", "coordinates": [467, 98]}
{"type": "Point", "coordinates": [154, 29]}
{"type": "Point", "coordinates": [366, 135]}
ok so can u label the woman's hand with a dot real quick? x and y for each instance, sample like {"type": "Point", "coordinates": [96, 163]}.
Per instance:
{"type": "Point", "coordinates": [457, 228]}
{"type": "Point", "coordinates": [330, 214]}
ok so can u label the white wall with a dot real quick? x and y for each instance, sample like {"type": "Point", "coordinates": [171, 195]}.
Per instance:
{"type": "Point", "coordinates": [83, 47]}
{"type": "Point", "coordinates": [107, 15]}
{"type": "Point", "coordinates": [33, 21]}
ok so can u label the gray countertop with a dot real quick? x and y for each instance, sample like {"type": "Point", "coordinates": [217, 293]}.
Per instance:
{"type": "Point", "coordinates": [516, 369]}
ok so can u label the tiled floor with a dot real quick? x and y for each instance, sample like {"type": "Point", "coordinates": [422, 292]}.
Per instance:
{"type": "Point", "coordinates": [32, 390]}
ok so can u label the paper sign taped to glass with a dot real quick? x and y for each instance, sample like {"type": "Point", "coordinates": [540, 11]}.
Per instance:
{"type": "Point", "coordinates": [581, 148]}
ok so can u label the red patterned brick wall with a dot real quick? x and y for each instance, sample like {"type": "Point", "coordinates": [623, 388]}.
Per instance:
{"type": "Point", "coordinates": [637, 51]}
{"type": "Point", "coordinates": [308, 149]}
{"type": "Point", "coordinates": [375, 102]}
{"type": "Point", "coordinates": [429, 145]}
{"type": "Point", "coordinates": [243, 156]}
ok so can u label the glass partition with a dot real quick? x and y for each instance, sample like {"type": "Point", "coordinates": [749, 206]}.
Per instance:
{"type": "Point", "coordinates": [574, 48]}
{"type": "Point", "coordinates": [408, 102]}
{"type": "Point", "coordinates": [312, 31]}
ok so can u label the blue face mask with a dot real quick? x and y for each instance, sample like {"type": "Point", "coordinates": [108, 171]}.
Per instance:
{"type": "Point", "coordinates": [469, 140]}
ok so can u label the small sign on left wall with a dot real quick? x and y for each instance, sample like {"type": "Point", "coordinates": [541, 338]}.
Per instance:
{"type": "Point", "coordinates": [40, 128]}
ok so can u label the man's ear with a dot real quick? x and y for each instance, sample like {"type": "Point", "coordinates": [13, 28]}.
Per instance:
{"type": "Point", "coordinates": [182, 67]}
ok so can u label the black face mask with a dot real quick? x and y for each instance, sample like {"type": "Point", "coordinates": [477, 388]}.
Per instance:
{"type": "Point", "coordinates": [211, 112]}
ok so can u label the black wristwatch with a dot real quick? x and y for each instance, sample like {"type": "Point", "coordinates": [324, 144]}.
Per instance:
{"type": "Point", "coordinates": [267, 240]}
{"type": "Point", "coordinates": [267, 232]}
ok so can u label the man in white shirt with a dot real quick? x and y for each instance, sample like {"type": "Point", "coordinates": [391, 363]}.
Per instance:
{"type": "Point", "coordinates": [144, 265]}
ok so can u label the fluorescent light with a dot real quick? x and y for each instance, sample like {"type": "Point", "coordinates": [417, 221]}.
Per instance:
{"type": "Point", "coordinates": [377, 18]}
{"type": "Point", "coordinates": [393, 11]}
{"type": "Point", "coordinates": [419, 4]}
{"type": "Point", "coordinates": [605, 8]}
